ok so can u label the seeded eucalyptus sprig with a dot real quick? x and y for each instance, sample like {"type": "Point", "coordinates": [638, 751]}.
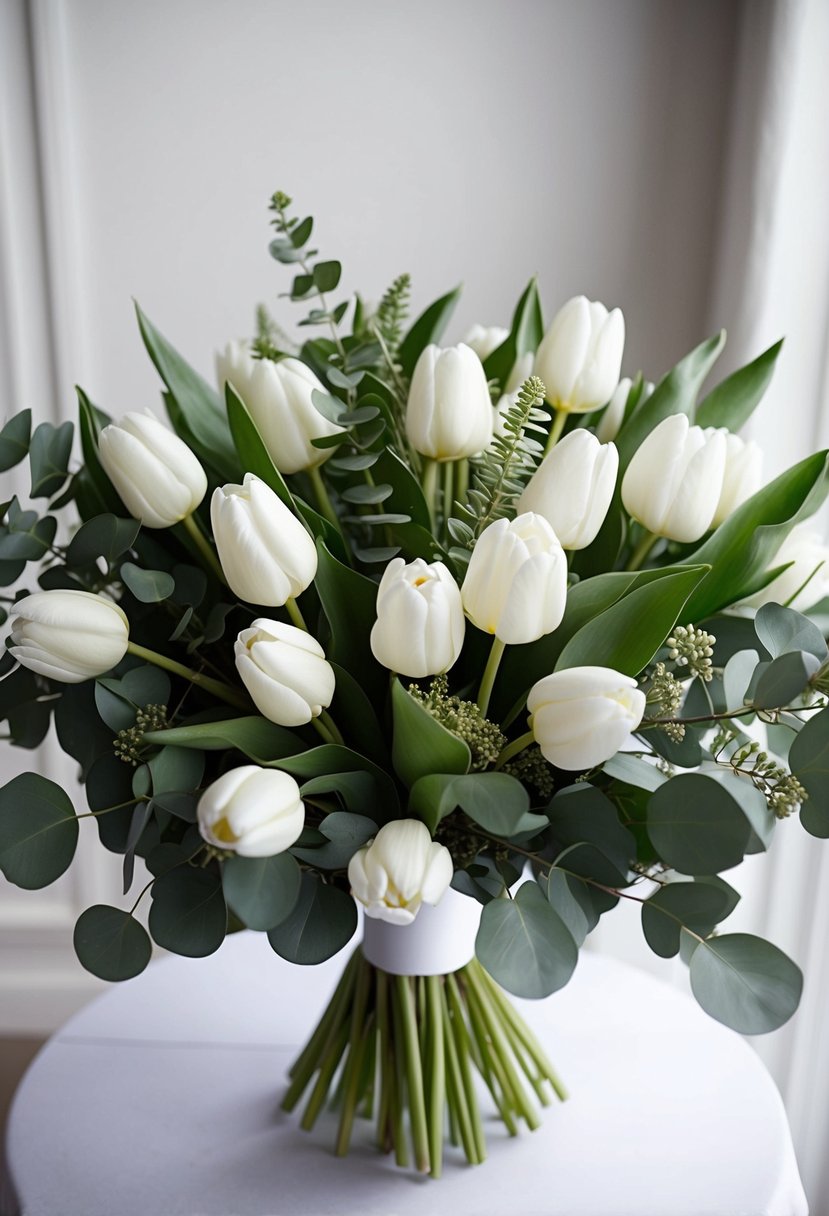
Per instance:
{"type": "Point", "coordinates": [505, 468]}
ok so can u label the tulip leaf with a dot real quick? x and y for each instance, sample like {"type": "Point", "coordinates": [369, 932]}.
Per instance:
{"type": "Point", "coordinates": [259, 739]}
{"type": "Point", "coordinates": [521, 666]}
{"type": "Point", "coordinates": [697, 826]}
{"type": "Point", "coordinates": [49, 454]}
{"type": "Point", "coordinates": [495, 801]}
{"type": "Point", "coordinates": [349, 603]}
{"type": "Point", "coordinates": [188, 914]}
{"type": "Point", "coordinates": [111, 943]}
{"type": "Point", "coordinates": [421, 745]}
{"type": "Point", "coordinates": [103, 536]}
{"type": "Point", "coordinates": [745, 982]}
{"type": "Point", "coordinates": [14, 440]}
{"type": "Point", "coordinates": [428, 328]}
{"type": "Point", "coordinates": [262, 891]}
{"type": "Point", "coordinates": [250, 447]}
{"type": "Point", "coordinates": [746, 544]}
{"type": "Point", "coordinates": [525, 945]}
{"type": "Point", "coordinates": [322, 922]}
{"type": "Point", "coordinates": [198, 403]}
{"type": "Point", "coordinates": [343, 834]}
{"type": "Point", "coordinates": [337, 766]}
{"type": "Point", "coordinates": [38, 831]}
{"type": "Point", "coordinates": [91, 422]}
{"type": "Point", "coordinates": [407, 495]}
{"type": "Point", "coordinates": [676, 393]}
{"type": "Point", "coordinates": [351, 706]}
{"type": "Point", "coordinates": [698, 906]}
{"type": "Point", "coordinates": [627, 635]}
{"type": "Point", "coordinates": [782, 629]}
{"type": "Point", "coordinates": [148, 586]}
{"type": "Point", "coordinates": [735, 399]}
{"type": "Point", "coordinates": [525, 333]}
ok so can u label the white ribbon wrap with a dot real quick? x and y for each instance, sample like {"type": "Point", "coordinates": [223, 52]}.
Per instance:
{"type": "Point", "coordinates": [439, 940]}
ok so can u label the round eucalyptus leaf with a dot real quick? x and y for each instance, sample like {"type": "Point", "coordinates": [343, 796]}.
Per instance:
{"type": "Point", "coordinates": [525, 945]}
{"type": "Point", "coordinates": [697, 826]}
{"type": "Point", "coordinates": [262, 891]}
{"type": "Point", "coordinates": [782, 630]}
{"type": "Point", "coordinates": [698, 906]}
{"type": "Point", "coordinates": [38, 831]}
{"type": "Point", "coordinates": [745, 982]}
{"type": "Point", "coordinates": [785, 679]}
{"type": "Point", "coordinates": [322, 922]}
{"type": "Point", "coordinates": [188, 913]}
{"type": "Point", "coordinates": [148, 586]}
{"type": "Point", "coordinates": [814, 816]}
{"type": "Point", "coordinates": [176, 769]}
{"type": "Point", "coordinates": [343, 834]}
{"type": "Point", "coordinates": [103, 536]}
{"type": "Point", "coordinates": [809, 757]}
{"type": "Point", "coordinates": [111, 944]}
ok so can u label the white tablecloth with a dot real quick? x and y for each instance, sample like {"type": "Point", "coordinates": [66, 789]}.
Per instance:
{"type": "Point", "coordinates": [161, 1099]}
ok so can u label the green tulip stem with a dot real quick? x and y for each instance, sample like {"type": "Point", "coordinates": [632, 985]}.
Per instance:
{"type": "Point", "coordinates": [490, 672]}
{"type": "Point", "coordinates": [293, 610]}
{"type": "Point", "coordinates": [461, 480]}
{"type": "Point", "coordinates": [512, 749]}
{"type": "Point", "coordinates": [642, 550]}
{"type": "Point", "coordinates": [204, 547]}
{"type": "Point", "coordinates": [323, 500]}
{"type": "Point", "coordinates": [327, 728]}
{"type": "Point", "coordinates": [558, 424]}
{"type": "Point", "coordinates": [404, 997]}
{"type": "Point", "coordinates": [448, 484]}
{"type": "Point", "coordinates": [430, 483]}
{"type": "Point", "coordinates": [224, 691]}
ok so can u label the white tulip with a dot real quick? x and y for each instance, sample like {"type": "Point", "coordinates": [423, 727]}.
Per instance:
{"type": "Point", "coordinates": [613, 415]}
{"type": "Point", "coordinates": [573, 487]}
{"type": "Point", "coordinates": [484, 339]}
{"type": "Point", "coordinates": [400, 869]}
{"type": "Point", "coordinates": [266, 554]}
{"type": "Point", "coordinates": [252, 811]}
{"type": "Point", "coordinates": [580, 356]}
{"type": "Point", "coordinates": [674, 481]}
{"type": "Point", "coordinates": [449, 412]}
{"type": "Point", "coordinates": [516, 583]}
{"type": "Point", "coordinates": [743, 474]}
{"type": "Point", "coordinates": [156, 475]}
{"type": "Point", "coordinates": [805, 582]}
{"type": "Point", "coordinates": [278, 398]}
{"type": "Point", "coordinates": [420, 623]}
{"type": "Point", "coordinates": [581, 716]}
{"type": "Point", "coordinates": [285, 671]}
{"type": "Point", "coordinates": [69, 636]}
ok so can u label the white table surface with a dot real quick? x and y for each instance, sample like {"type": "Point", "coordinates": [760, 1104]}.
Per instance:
{"type": "Point", "coordinates": [161, 1099]}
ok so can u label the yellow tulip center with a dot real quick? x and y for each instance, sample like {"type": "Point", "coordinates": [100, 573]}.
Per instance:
{"type": "Point", "coordinates": [224, 832]}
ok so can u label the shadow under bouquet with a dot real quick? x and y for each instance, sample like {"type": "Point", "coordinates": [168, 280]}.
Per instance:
{"type": "Point", "coordinates": [481, 639]}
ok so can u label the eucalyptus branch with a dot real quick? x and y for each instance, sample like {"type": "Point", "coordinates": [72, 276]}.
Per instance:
{"type": "Point", "coordinates": [506, 466]}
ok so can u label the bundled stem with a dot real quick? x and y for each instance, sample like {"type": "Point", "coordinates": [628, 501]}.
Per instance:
{"type": "Point", "coordinates": [404, 1049]}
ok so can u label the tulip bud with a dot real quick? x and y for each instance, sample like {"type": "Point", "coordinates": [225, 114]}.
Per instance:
{"type": "Point", "coordinates": [516, 584]}
{"type": "Point", "coordinates": [581, 716]}
{"type": "Point", "coordinates": [420, 624]}
{"type": "Point", "coordinates": [252, 811]}
{"type": "Point", "coordinates": [675, 479]}
{"type": "Point", "coordinates": [449, 412]}
{"type": "Point", "coordinates": [266, 554]}
{"type": "Point", "coordinates": [580, 356]}
{"type": "Point", "coordinates": [613, 414]}
{"type": "Point", "coordinates": [400, 869]}
{"type": "Point", "coordinates": [743, 474]}
{"type": "Point", "coordinates": [285, 671]}
{"type": "Point", "coordinates": [155, 473]}
{"type": "Point", "coordinates": [573, 487]}
{"type": "Point", "coordinates": [69, 636]}
{"type": "Point", "coordinates": [485, 339]}
{"type": "Point", "coordinates": [278, 398]}
{"type": "Point", "coordinates": [805, 582]}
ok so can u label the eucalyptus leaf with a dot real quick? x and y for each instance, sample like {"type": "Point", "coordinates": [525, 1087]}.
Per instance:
{"type": "Point", "coordinates": [784, 680]}
{"type": "Point", "coordinates": [697, 826]}
{"type": "Point", "coordinates": [38, 831]}
{"type": "Point", "coordinates": [737, 677]}
{"type": "Point", "coordinates": [782, 629]}
{"type": "Point", "coordinates": [104, 536]}
{"type": "Point", "coordinates": [111, 943]}
{"type": "Point", "coordinates": [698, 906]}
{"type": "Point", "coordinates": [262, 891]}
{"type": "Point", "coordinates": [525, 945]}
{"type": "Point", "coordinates": [745, 982]}
{"type": "Point", "coordinates": [176, 770]}
{"type": "Point", "coordinates": [188, 913]}
{"type": "Point", "coordinates": [323, 920]}
{"type": "Point", "coordinates": [49, 453]}
{"type": "Point", "coordinates": [148, 586]}
{"type": "Point", "coordinates": [809, 762]}
{"type": "Point", "coordinates": [14, 440]}
{"type": "Point", "coordinates": [344, 833]}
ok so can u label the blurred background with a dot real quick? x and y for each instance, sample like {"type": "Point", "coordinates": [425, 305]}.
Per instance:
{"type": "Point", "coordinates": [666, 156]}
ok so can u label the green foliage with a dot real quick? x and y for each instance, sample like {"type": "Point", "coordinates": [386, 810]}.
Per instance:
{"type": "Point", "coordinates": [111, 943]}
{"type": "Point", "coordinates": [392, 311]}
{"type": "Point", "coordinates": [495, 801]}
{"type": "Point", "coordinates": [745, 982]}
{"type": "Point", "coordinates": [525, 945]}
{"type": "Point", "coordinates": [188, 914]}
{"type": "Point", "coordinates": [38, 831]}
{"type": "Point", "coordinates": [735, 399]}
{"type": "Point", "coordinates": [322, 922]}
{"type": "Point", "coordinates": [262, 891]}
{"type": "Point", "coordinates": [420, 745]}
{"type": "Point", "coordinates": [14, 440]}
{"type": "Point", "coordinates": [49, 453]}
{"type": "Point", "coordinates": [427, 329]}
{"type": "Point", "coordinates": [696, 906]}
{"type": "Point", "coordinates": [526, 331]}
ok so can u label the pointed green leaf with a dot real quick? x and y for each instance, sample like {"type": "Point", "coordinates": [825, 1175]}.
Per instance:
{"type": "Point", "coordinates": [735, 399]}
{"type": "Point", "coordinates": [428, 328]}
{"type": "Point", "coordinates": [421, 745]}
{"type": "Point", "coordinates": [526, 331]}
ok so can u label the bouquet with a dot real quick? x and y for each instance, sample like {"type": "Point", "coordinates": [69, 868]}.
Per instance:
{"type": "Point", "coordinates": [480, 639]}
